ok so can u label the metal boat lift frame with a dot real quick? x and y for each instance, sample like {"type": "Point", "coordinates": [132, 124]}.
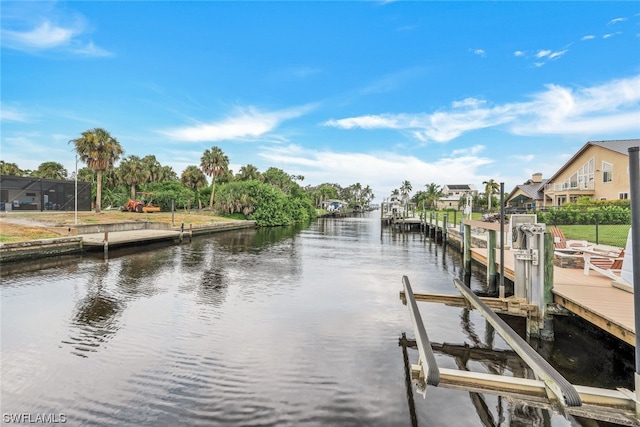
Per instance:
{"type": "Point", "coordinates": [551, 390]}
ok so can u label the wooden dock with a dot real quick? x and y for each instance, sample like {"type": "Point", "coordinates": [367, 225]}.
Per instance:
{"type": "Point", "coordinates": [591, 297]}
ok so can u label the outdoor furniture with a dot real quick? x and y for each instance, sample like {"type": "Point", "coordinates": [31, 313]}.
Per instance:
{"type": "Point", "coordinates": [561, 243]}
{"type": "Point", "coordinates": [606, 263]}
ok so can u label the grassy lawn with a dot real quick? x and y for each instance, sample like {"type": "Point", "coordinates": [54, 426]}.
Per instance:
{"type": "Point", "coordinates": [614, 235]}
{"type": "Point", "coordinates": [20, 227]}
{"type": "Point", "coordinates": [10, 233]}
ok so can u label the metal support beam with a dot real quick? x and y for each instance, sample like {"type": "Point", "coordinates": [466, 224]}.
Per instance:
{"type": "Point", "coordinates": [511, 306]}
{"type": "Point", "coordinates": [564, 391]}
{"type": "Point", "coordinates": [427, 359]}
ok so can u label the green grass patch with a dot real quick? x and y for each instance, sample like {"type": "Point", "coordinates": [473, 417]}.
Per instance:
{"type": "Point", "coordinates": [235, 215]}
{"type": "Point", "coordinates": [614, 235]}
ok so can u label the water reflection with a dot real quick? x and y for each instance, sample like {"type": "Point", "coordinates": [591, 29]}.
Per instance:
{"type": "Point", "coordinates": [276, 326]}
{"type": "Point", "coordinates": [95, 318]}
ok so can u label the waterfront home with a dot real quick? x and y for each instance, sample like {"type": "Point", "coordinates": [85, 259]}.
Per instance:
{"type": "Point", "coordinates": [453, 194]}
{"type": "Point", "coordinates": [599, 170]}
{"type": "Point", "coordinates": [528, 196]}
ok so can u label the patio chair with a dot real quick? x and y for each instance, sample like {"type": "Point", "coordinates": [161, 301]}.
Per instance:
{"type": "Point", "coordinates": [562, 244]}
{"type": "Point", "coordinates": [606, 263]}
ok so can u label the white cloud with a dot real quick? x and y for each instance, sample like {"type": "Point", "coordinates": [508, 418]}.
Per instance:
{"type": "Point", "coordinates": [10, 114]}
{"type": "Point", "coordinates": [542, 53]}
{"type": "Point", "coordinates": [479, 52]}
{"type": "Point", "coordinates": [616, 20]}
{"type": "Point", "coordinates": [45, 36]}
{"type": "Point", "coordinates": [608, 36]}
{"type": "Point", "coordinates": [518, 53]}
{"type": "Point", "coordinates": [90, 49]}
{"type": "Point", "coordinates": [247, 123]}
{"type": "Point", "coordinates": [46, 27]}
{"type": "Point", "coordinates": [383, 121]}
{"type": "Point", "coordinates": [613, 106]}
{"type": "Point", "coordinates": [555, 55]}
{"type": "Point", "coordinates": [324, 166]}
{"type": "Point", "coordinates": [588, 37]}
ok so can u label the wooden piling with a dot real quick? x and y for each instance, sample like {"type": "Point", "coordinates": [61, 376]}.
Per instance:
{"type": "Point", "coordinates": [467, 249]}
{"type": "Point", "coordinates": [445, 218]}
{"type": "Point", "coordinates": [491, 261]}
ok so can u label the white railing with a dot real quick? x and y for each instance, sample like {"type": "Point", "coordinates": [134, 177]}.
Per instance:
{"type": "Point", "coordinates": [571, 187]}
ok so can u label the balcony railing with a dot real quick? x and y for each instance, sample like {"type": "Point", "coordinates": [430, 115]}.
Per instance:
{"type": "Point", "coordinates": [582, 186]}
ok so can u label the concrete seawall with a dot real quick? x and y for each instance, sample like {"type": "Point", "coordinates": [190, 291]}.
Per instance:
{"type": "Point", "coordinates": [84, 238]}
{"type": "Point", "coordinates": [40, 248]}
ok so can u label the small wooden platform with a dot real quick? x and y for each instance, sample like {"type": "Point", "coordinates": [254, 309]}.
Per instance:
{"type": "Point", "coordinates": [120, 238]}
{"type": "Point", "coordinates": [591, 297]}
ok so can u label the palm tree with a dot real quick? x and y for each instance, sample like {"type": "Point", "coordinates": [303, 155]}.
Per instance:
{"type": "Point", "coordinates": [367, 195]}
{"type": "Point", "coordinates": [87, 175]}
{"type": "Point", "coordinates": [131, 172]}
{"type": "Point", "coordinates": [193, 178]}
{"type": "Point", "coordinates": [405, 189]}
{"type": "Point", "coordinates": [51, 170]}
{"type": "Point", "coordinates": [248, 173]}
{"type": "Point", "coordinates": [432, 194]}
{"type": "Point", "coordinates": [99, 150]}
{"type": "Point", "coordinates": [10, 169]}
{"type": "Point", "coordinates": [490, 187]}
{"type": "Point", "coordinates": [214, 163]}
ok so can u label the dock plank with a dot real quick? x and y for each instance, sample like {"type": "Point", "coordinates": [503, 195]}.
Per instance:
{"type": "Point", "coordinates": [591, 297]}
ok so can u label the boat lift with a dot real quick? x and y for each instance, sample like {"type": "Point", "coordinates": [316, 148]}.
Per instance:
{"type": "Point", "coordinates": [550, 390]}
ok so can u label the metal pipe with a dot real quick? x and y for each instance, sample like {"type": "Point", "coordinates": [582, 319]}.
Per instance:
{"type": "Point", "coordinates": [634, 176]}
{"type": "Point", "coordinates": [501, 289]}
{"type": "Point", "coordinates": [75, 217]}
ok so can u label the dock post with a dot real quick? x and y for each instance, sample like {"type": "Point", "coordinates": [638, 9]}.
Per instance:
{"type": "Point", "coordinates": [491, 261]}
{"type": "Point", "coordinates": [106, 244]}
{"type": "Point", "coordinates": [181, 232]}
{"type": "Point", "coordinates": [444, 228]}
{"type": "Point", "coordinates": [190, 232]}
{"type": "Point", "coordinates": [634, 196]}
{"type": "Point", "coordinates": [547, 334]}
{"type": "Point", "coordinates": [467, 249]}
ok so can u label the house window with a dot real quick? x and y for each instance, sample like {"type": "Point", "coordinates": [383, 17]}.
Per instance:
{"type": "Point", "coordinates": [585, 174]}
{"type": "Point", "coordinates": [623, 196]}
{"type": "Point", "coordinates": [607, 172]}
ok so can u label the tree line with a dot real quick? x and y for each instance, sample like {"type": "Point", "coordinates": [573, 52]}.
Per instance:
{"type": "Point", "coordinates": [431, 195]}
{"type": "Point", "coordinates": [273, 197]}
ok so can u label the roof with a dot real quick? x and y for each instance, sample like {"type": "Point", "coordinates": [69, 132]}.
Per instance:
{"type": "Point", "coordinates": [620, 146]}
{"type": "Point", "coordinates": [533, 190]}
{"type": "Point", "coordinates": [468, 187]}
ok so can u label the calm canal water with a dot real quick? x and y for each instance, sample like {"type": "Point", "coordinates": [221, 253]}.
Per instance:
{"type": "Point", "coordinates": [283, 326]}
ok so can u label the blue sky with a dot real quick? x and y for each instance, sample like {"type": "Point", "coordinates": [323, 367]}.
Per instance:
{"type": "Point", "coordinates": [345, 92]}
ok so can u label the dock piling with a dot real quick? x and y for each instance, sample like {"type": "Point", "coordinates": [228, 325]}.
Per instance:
{"type": "Point", "coordinates": [106, 244]}
{"type": "Point", "coordinates": [491, 261]}
{"type": "Point", "coordinates": [467, 249]}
